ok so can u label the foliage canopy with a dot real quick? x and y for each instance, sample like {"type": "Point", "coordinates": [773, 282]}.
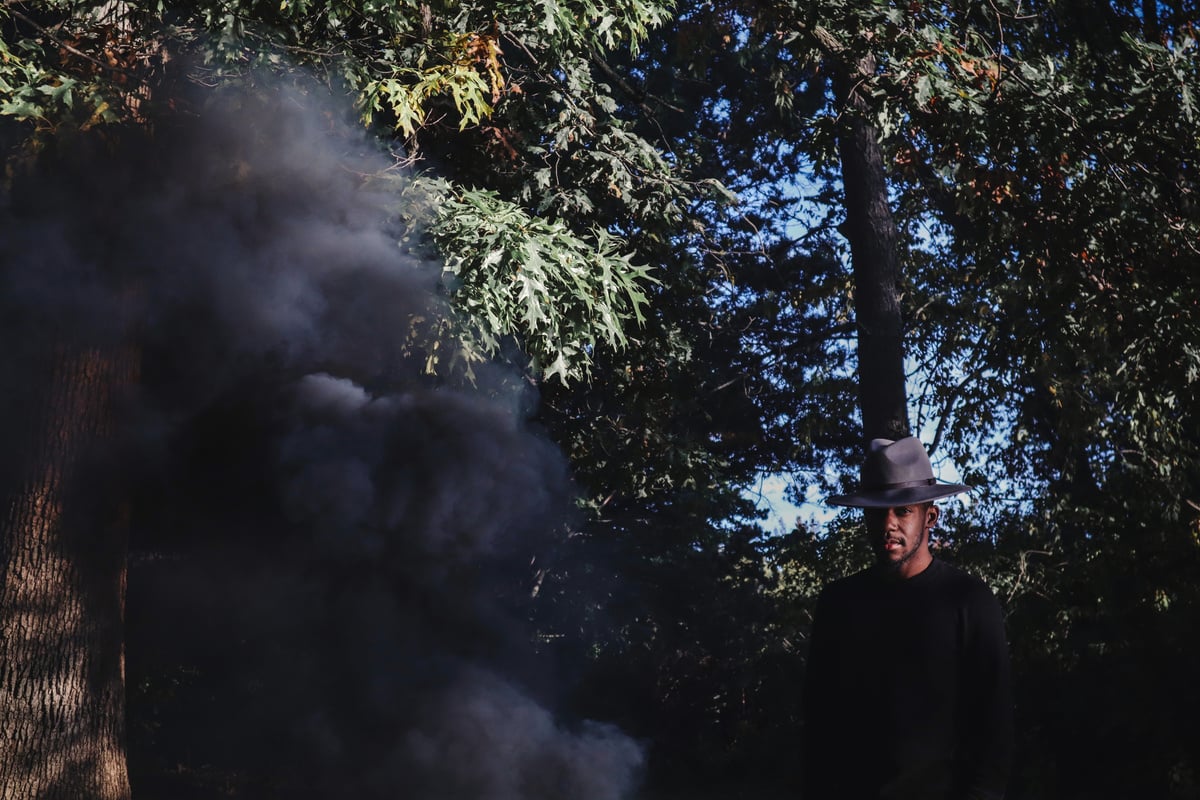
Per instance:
{"type": "Point", "coordinates": [573, 160]}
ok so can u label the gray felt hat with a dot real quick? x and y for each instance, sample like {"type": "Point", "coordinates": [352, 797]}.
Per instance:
{"type": "Point", "coordinates": [896, 473]}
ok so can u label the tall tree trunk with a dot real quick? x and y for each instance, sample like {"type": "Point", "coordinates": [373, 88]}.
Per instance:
{"type": "Point", "coordinates": [63, 542]}
{"type": "Point", "coordinates": [871, 230]}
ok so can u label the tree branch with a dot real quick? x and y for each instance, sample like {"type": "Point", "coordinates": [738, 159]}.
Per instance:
{"type": "Point", "coordinates": [639, 96]}
{"type": "Point", "coordinates": [72, 50]}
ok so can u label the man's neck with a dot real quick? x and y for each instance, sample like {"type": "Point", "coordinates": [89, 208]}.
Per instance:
{"type": "Point", "coordinates": [910, 567]}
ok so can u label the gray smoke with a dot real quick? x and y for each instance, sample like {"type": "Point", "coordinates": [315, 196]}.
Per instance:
{"type": "Point", "coordinates": [516, 749]}
{"type": "Point", "coordinates": [332, 583]}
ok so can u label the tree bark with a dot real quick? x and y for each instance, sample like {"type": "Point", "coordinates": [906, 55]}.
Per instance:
{"type": "Point", "coordinates": [871, 231]}
{"type": "Point", "coordinates": [63, 542]}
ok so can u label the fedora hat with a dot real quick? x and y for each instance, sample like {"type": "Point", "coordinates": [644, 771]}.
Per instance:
{"type": "Point", "coordinates": [896, 473]}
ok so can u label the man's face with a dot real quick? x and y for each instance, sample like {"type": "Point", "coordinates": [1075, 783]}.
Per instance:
{"type": "Point", "coordinates": [899, 535]}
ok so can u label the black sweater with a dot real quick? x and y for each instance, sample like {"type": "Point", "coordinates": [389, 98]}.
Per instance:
{"type": "Point", "coordinates": [907, 689]}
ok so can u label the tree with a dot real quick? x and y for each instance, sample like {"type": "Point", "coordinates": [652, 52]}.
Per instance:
{"type": "Point", "coordinates": [871, 232]}
{"type": "Point", "coordinates": [1039, 169]}
{"type": "Point", "coordinates": [1033, 214]}
{"type": "Point", "coordinates": [122, 74]}
{"type": "Point", "coordinates": [64, 577]}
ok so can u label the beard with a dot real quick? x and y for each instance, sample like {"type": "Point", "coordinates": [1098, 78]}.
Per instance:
{"type": "Point", "coordinates": [887, 561]}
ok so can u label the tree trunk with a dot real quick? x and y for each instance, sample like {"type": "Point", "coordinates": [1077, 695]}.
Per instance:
{"type": "Point", "coordinates": [871, 231]}
{"type": "Point", "coordinates": [63, 544]}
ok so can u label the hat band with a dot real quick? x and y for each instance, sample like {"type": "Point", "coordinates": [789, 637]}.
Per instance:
{"type": "Point", "coordinates": [901, 485]}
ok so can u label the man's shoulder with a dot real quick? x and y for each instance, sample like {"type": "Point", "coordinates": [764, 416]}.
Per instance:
{"type": "Point", "coordinates": [962, 584]}
{"type": "Point", "coordinates": [848, 586]}
{"type": "Point", "coordinates": [849, 582]}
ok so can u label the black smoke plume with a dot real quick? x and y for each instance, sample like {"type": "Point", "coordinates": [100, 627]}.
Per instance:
{"type": "Point", "coordinates": [331, 561]}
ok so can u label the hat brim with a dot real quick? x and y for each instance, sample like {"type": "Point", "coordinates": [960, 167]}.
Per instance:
{"type": "Point", "coordinates": [891, 498]}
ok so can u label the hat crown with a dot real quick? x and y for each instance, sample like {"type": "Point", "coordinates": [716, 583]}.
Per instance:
{"type": "Point", "coordinates": [896, 473]}
{"type": "Point", "coordinates": [893, 464]}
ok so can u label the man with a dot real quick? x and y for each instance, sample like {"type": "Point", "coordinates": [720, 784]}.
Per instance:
{"type": "Point", "coordinates": [907, 691]}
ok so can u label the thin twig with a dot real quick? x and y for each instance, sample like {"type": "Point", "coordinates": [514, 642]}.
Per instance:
{"type": "Point", "coordinates": [1024, 560]}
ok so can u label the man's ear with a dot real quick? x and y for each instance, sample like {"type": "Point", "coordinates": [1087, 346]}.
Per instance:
{"type": "Point", "coordinates": [931, 515]}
